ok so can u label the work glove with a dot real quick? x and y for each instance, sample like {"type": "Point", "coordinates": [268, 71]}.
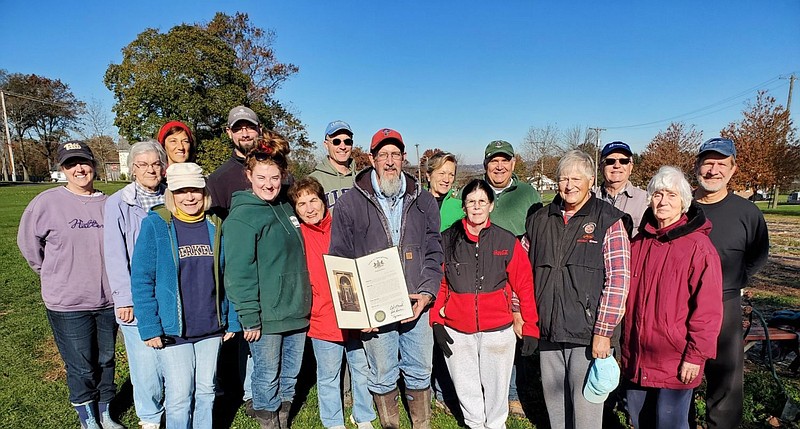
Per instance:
{"type": "Point", "coordinates": [442, 339]}
{"type": "Point", "coordinates": [529, 345]}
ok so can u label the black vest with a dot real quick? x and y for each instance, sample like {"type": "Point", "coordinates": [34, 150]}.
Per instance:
{"type": "Point", "coordinates": [477, 267]}
{"type": "Point", "coordinates": [568, 268]}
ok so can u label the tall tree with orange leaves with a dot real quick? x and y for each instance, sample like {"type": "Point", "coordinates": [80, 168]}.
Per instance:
{"type": "Point", "coordinates": [767, 149]}
{"type": "Point", "coordinates": [676, 146]}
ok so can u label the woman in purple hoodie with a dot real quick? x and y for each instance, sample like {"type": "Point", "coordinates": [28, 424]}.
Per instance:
{"type": "Point", "coordinates": [61, 237]}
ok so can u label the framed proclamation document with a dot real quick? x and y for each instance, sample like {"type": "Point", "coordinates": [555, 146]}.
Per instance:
{"type": "Point", "coordinates": [370, 291]}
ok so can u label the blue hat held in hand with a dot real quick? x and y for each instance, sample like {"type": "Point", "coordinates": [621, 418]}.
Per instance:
{"type": "Point", "coordinates": [603, 379]}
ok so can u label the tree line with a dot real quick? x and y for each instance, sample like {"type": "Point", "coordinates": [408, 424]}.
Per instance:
{"type": "Point", "coordinates": [195, 73]}
{"type": "Point", "coordinates": [768, 150]}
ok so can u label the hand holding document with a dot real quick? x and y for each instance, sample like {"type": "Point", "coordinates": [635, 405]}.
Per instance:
{"type": "Point", "coordinates": [370, 291]}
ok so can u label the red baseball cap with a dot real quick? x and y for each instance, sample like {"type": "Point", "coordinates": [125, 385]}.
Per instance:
{"type": "Point", "coordinates": [385, 136]}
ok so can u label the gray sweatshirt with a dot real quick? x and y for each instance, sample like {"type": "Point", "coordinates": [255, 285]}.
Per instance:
{"type": "Point", "coordinates": [61, 236]}
{"type": "Point", "coordinates": [334, 183]}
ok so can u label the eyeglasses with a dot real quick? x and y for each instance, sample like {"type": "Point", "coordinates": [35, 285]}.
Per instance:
{"type": "Point", "coordinates": [145, 166]}
{"type": "Point", "coordinates": [612, 161]}
{"type": "Point", "coordinates": [244, 127]}
{"type": "Point", "coordinates": [383, 156]}
{"type": "Point", "coordinates": [476, 203]}
{"type": "Point", "coordinates": [337, 142]}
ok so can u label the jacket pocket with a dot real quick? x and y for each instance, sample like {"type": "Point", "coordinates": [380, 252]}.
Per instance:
{"type": "Point", "coordinates": [294, 296]}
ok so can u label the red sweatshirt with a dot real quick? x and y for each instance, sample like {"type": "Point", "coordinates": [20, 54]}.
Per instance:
{"type": "Point", "coordinates": [317, 238]}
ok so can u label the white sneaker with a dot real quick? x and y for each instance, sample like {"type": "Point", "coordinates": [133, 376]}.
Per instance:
{"type": "Point", "coordinates": [143, 425]}
{"type": "Point", "coordinates": [362, 425]}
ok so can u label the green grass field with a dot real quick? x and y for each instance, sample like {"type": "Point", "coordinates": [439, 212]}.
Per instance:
{"type": "Point", "coordinates": [33, 391]}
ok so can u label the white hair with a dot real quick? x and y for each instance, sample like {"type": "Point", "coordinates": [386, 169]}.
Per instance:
{"type": "Point", "coordinates": [578, 160]}
{"type": "Point", "coordinates": [672, 179]}
{"type": "Point", "coordinates": [146, 146]}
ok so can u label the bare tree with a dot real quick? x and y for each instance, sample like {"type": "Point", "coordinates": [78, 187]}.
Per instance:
{"type": "Point", "coordinates": [578, 137]}
{"type": "Point", "coordinates": [95, 120]}
{"type": "Point", "coordinates": [540, 143]}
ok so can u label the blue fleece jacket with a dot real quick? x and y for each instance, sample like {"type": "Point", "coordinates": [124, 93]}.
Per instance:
{"type": "Point", "coordinates": [154, 278]}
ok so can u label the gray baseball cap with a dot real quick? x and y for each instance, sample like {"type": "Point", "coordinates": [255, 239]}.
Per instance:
{"type": "Point", "coordinates": [242, 113]}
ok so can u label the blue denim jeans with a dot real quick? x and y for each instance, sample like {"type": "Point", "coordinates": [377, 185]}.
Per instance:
{"type": "Point", "coordinates": [146, 376]}
{"type": "Point", "coordinates": [85, 340]}
{"type": "Point", "coordinates": [414, 343]}
{"type": "Point", "coordinates": [329, 367]}
{"type": "Point", "coordinates": [276, 364]}
{"type": "Point", "coordinates": [190, 372]}
{"type": "Point", "coordinates": [658, 408]}
{"type": "Point", "coordinates": [245, 367]}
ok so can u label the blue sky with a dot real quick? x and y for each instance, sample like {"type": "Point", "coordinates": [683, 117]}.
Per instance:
{"type": "Point", "coordinates": [457, 75]}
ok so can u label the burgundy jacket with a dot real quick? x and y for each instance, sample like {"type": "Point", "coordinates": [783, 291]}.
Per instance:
{"type": "Point", "coordinates": [674, 307]}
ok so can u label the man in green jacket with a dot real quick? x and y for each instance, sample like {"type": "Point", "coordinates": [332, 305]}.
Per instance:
{"type": "Point", "coordinates": [515, 199]}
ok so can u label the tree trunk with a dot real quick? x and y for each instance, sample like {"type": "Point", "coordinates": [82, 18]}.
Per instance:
{"type": "Point", "coordinates": [24, 162]}
{"type": "Point", "coordinates": [773, 202]}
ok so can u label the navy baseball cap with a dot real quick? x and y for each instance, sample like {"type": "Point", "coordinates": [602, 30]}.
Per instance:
{"type": "Point", "coordinates": [74, 149]}
{"type": "Point", "coordinates": [616, 146]}
{"type": "Point", "coordinates": [719, 145]}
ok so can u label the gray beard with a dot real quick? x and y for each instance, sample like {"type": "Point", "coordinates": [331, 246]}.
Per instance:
{"type": "Point", "coordinates": [708, 188]}
{"type": "Point", "coordinates": [390, 187]}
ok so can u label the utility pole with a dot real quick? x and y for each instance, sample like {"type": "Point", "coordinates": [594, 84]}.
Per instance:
{"type": "Point", "coordinates": [597, 132]}
{"type": "Point", "coordinates": [8, 138]}
{"type": "Point", "coordinates": [773, 202]}
{"type": "Point", "coordinates": [419, 166]}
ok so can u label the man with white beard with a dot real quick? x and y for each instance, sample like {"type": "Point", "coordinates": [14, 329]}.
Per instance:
{"type": "Point", "coordinates": [387, 207]}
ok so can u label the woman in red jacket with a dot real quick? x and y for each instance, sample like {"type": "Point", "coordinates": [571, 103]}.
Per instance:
{"type": "Point", "coordinates": [330, 343]}
{"type": "Point", "coordinates": [674, 309]}
{"type": "Point", "coordinates": [471, 318]}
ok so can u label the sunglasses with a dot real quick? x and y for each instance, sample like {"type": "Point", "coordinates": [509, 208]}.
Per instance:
{"type": "Point", "coordinates": [337, 142]}
{"type": "Point", "coordinates": [612, 161]}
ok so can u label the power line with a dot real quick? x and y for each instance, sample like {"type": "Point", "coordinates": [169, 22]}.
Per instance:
{"type": "Point", "coordinates": [728, 102]}
{"type": "Point", "coordinates": [28, 97]}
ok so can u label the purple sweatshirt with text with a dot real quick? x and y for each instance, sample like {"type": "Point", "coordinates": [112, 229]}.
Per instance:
{"type": "Point", "coordinates": [61, 236]}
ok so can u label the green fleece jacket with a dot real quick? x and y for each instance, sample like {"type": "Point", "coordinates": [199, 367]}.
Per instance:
{"type": "Point", "coordinates": [451, 210]}
{"type": "Point", "coordinates": [334, 183]}
{"type": "Point", "coordinates": [514, 205]}
{"type": "Point", "coordinates": [268, 278]}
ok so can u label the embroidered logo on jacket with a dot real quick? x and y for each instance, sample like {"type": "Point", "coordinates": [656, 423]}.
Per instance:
{"type": "Point", "coordinates": [588, 236]}
{"type": "Point", "coordinates": [501, 252]}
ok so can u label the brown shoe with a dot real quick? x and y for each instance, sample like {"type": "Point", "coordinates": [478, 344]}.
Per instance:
{"type": "Point", "coordinates": [419, 408]}
{"type": "Point", "coordinates": [388, 410]}
{"type": "Point", "coordinates": [248, 409]}
{"type": "Point", "coordinates": [515, 408]}
{"type": "Point", "coordinates": [283, 414]}
{"type": "Point", "coordinates": [267, 419]}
